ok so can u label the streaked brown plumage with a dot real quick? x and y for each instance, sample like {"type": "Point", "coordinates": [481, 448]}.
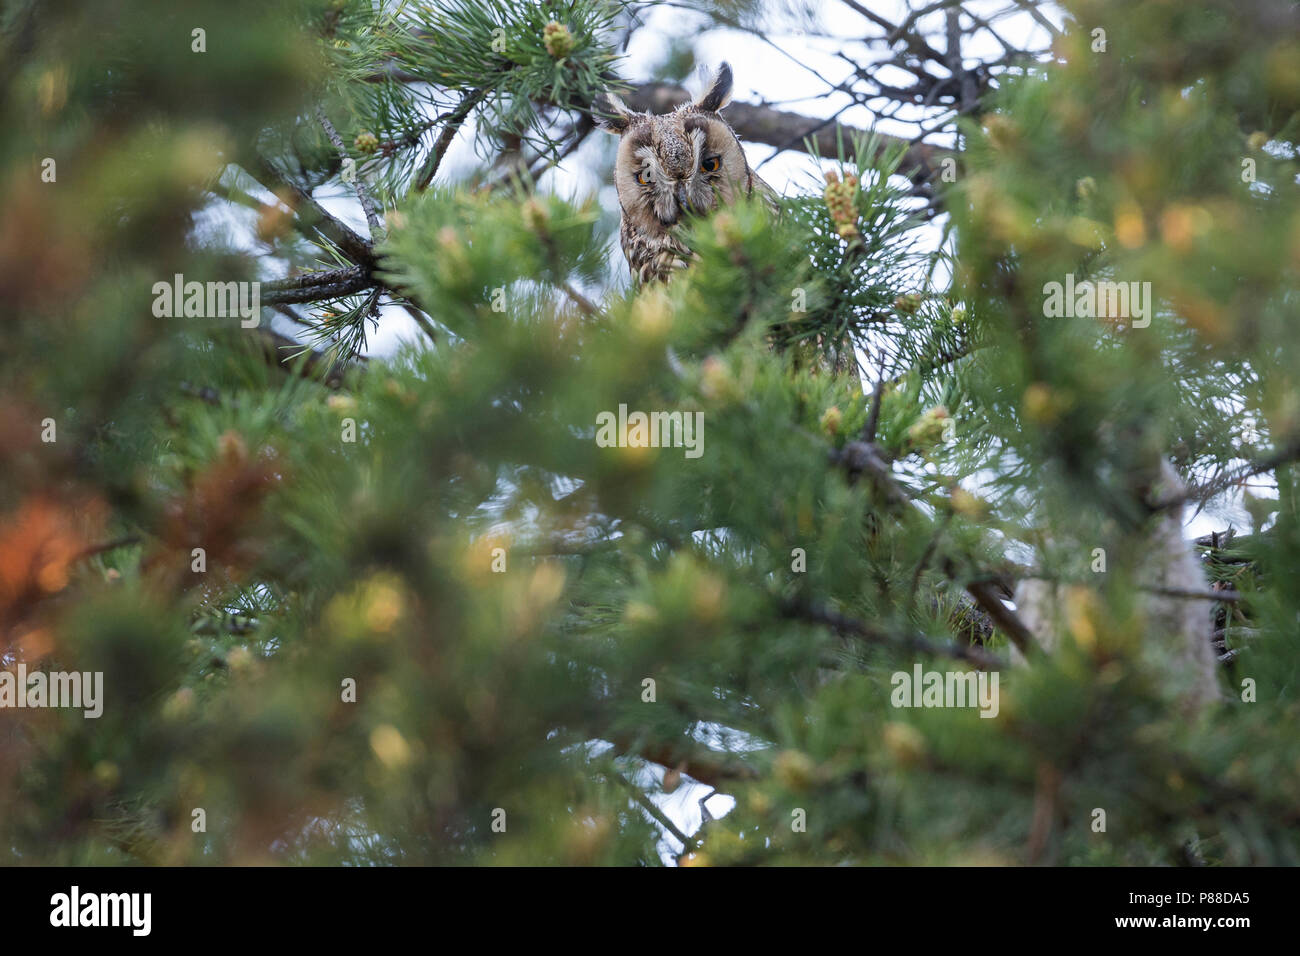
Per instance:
{"type": "Point", "coordinates": [685, 162]}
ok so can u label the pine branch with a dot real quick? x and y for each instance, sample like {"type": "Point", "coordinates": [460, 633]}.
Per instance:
{"type": "Point", "coordinates": [317, 286]}
{"type": "Point", "coordinates": [860, 458]}
{"type": "Point", "coordinates": [299, 359]}
{"type": "Point", "coordinates": [363, 192]}
{"type": "Point", "coordinates": [107, 546]}
{"type": "Point", "coordinates": [660, 817]}
{"type": "Point", "coordinates": [1284, 454]}
{"type": "Point", "coordinates": [585, 305]}
{"type": "Point", "coordinates": [1227, 596]}
{"type": "Point", "coordinates": [1008, 621]}
{"type": "Point", "coordinates": [785, 130]}
{"type": "Point", "coordinates": [449, 131]}
{"type": "Point", "coordinates": [707, 768]}
{"type": "Point", "coordinates": [853, 627]}
{"type": "Point", "coordinates": [312, 215]}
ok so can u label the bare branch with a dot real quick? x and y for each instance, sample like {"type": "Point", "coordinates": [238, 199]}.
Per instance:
{"type": "Point", "coordinates": [317, 286]}
{"type": "Point", "coordinates": [1285, 453]}
{"type": "Point", "coordinates": [363, 192]}
{"type": "Point", "coordinates": [361, 251]}
{"type": "Point", "coordinates": [660, 817]}
{"type": "Point", "coordinates": [854, 627]}
{"type": "Point", "coordinates": [449, 131]}
{"type": "Point", "coordinates": [707, 766]}
{"type": "Point", "coordinates": [785, 130]}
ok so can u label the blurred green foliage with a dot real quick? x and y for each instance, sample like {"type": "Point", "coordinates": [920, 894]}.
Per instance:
{"type": "Point", "coordinates": [399, 636]}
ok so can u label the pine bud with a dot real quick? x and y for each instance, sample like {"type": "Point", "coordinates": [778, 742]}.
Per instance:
{"type": "Point", "coordinates": [1001, 131]}
{"type": "Point", "coordinates": [904, 742]}
{"type": "Point", "coordinates": [794, 769]}
{"type": "Point", "coordinates": [366, 142]}
{"type": "Point", "coordinates": [727, 228]}
{"type": "Point", "coordinates": [454, 260]}
{"type": "Point", "coordinates": [638, 613]}
{"type": "Point", "coordinates": [1040, 404]}
{"type": "Point", "coordinates": [672, 779]}
{"type": "Point", "coordinates": [830, 422]}
{"type": "Point", "coordinates": [707, 598]}
{"type": "Point", "coordinates": [106, 774]}
{"type": "Point", "coordinates": [907, 304]}
{"type": "Point", "coordinates": [559, 41]}
{"type": "Point", "coordinates": [273, 223]}
{"type": "Point", "coordinates": [239, 660]}
{"type": "Point", "coordinates": [383, 604]}
{"type": "Point", "coordinates": [231, 447]}
{"type": "Point", "coordinates": [652, 316]}
{"type": "Point", "coordinates": [967, 505]}
{"type": "Point", "coordinates": [760, 803]}
{"type": "Point", "coordinates": [390, 746]}
{"type": "Point", "coordinates": [839, 196]}
{"type": "Point", "coordinates": [588, 839]}
{"type": "Point", "coordinates": [179, 705]}
{"type": "Point", "coordinates": [927, 431]}
{"type": "Point", "coordinates": [536, 216]}
{"type": "Point", "coordinates": [716, 381]}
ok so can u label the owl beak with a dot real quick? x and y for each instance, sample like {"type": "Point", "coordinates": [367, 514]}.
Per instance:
{"type": "Point", "coordinates": [683, 201]}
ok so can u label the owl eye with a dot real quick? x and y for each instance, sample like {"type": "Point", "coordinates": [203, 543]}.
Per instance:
{"type": "Point", "coordinates": [643, 177]}
{"type": "Point", "coordinates": [711, 164]}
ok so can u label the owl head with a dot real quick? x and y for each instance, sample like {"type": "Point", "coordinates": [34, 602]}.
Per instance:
{"type": "Point", "coordinates": [685, 162]}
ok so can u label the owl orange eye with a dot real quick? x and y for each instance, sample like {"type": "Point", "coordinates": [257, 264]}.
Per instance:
{"type": "Point", "coordinates": [643, 177]}
{"type": "Point", "coordinates": [711, 164]}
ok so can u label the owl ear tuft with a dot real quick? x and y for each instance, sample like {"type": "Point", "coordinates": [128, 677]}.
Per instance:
{"type": "Point", "coordinates": [611, 113]}
{"type": "Point", "coordinates": [717, 94]}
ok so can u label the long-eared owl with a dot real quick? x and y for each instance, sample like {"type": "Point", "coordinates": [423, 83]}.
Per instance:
{"type": "Point", "coordinates": [687, 162]}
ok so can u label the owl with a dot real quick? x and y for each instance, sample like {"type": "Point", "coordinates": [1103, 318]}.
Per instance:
{"type": "Point", "coordinates": [683, 163]}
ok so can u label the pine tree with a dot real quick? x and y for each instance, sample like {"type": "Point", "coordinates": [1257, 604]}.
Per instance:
{"type": "Point", "coordinates": [436, 608]}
